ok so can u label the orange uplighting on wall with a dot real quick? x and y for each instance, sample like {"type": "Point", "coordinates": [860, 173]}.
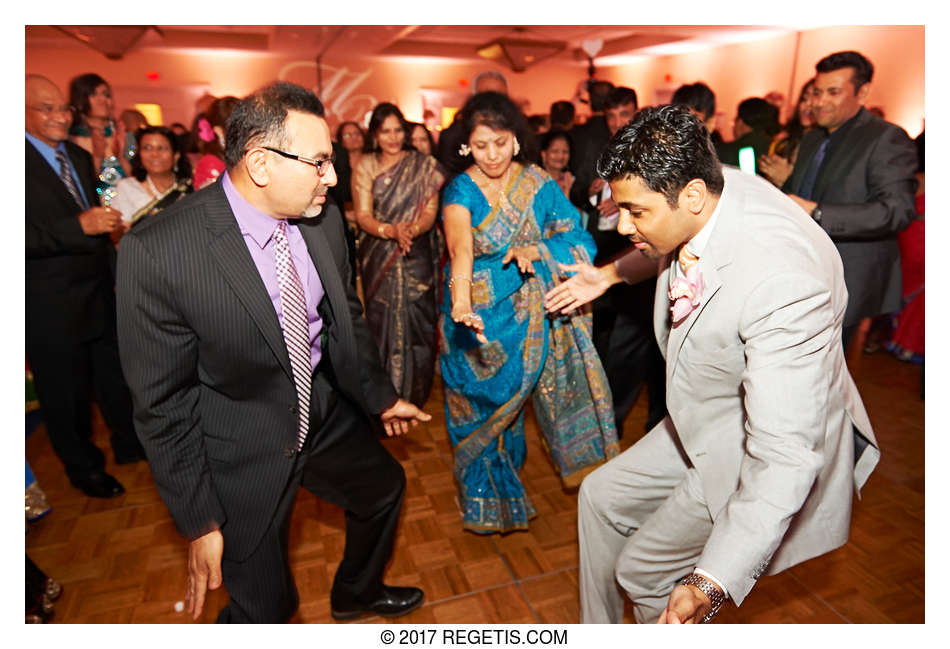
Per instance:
{"type": "Point", "coordinates": [448, 114]}
{"type": "Point", "coordinates": [152, 112]}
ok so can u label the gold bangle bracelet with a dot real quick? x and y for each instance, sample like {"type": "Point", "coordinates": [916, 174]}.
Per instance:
{"type": "Point", "coordinates": [382, 231]}
{"type": "Point", "coordinates": [459, 277]}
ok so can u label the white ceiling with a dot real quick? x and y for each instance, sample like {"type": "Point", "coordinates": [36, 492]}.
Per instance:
{"type": "Point", "coordinates": [526, 44]}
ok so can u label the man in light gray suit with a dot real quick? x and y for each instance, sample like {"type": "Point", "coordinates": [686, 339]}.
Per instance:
{"type": "Point", "coordinates": [753, 469]}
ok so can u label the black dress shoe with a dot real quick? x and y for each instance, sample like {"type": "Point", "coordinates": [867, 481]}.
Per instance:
{"type": "Point", "coordinates": [392, 601]}
{"type": "Point", "coordinates": [98, 485]}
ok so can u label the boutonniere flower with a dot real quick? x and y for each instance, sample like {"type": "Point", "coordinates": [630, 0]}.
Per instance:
{"type": "Point", "coordinates": [685, 294]}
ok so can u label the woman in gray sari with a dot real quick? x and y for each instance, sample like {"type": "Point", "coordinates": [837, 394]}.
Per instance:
{"type": "Point", "coordinates": [395, 196]}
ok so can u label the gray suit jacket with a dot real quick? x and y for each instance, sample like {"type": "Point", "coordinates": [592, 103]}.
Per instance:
{"type": "Point", "coordinates": [758, 391]}
{"type": "Point", "coordinates": [866, 193]}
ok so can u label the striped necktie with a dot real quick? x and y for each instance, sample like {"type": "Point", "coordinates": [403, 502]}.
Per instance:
{"type": "Point", "coordinates": [293, 305]}
{"type": "Point", "coordinates": [66, 175]}
{"type": "Point", "coordinates": [687, 259]}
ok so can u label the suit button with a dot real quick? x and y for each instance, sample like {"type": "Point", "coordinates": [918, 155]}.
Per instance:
{"type": "Point", "coordinates": [290, 451]}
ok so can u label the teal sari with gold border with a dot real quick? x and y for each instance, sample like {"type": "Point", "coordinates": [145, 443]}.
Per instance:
{"type": "Point", "coordinates": [529, 354]}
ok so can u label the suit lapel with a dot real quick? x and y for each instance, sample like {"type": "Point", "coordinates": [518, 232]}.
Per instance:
{"type": "Point", "coordinates": [716, 256]}
{"type": "Point", "coordinates": [838, 162]}
{"type": "Point", "coordinates": [323, 260]}
{"type": "Point", "coordinates": [238, 269]}
{"type": "Point", "coordinates": [661, 305]}
{"type": "Point", "coordinates": [47, 178]}
{"type": "Point", "coordinates": [708, 267]}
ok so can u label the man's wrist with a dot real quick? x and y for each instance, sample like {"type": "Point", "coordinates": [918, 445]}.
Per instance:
{"type": "Point", "coordinates": [709, 589]}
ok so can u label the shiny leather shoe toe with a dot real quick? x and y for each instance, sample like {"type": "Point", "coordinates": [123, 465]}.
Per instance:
{"type": "Point", "coordinates": [98, 485]}
{"type": "Point", "coordinates": [393, 601]}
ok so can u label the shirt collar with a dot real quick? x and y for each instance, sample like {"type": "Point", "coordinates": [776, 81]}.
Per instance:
{"type": "Point", "coordinates": [43, 147]}
{"type": "Point", "coordinates": [697, 244]}
{"type": "Point", "coordinates": [252, 222]}
{"type": "Point", "coordinates": [842, 130]}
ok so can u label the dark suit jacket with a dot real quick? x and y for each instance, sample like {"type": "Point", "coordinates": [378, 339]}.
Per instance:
{"type": "Point", "coordinates": [69, 274]}
{"type": "Point", "coordinates": [865, 190]}
{"type": "Point", "coordinates": [587, 143]}
{"type": "Point", "coordinates": [204, 355]}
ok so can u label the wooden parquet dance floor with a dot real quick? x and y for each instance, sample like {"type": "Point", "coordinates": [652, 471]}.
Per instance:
{"type": "Point", "coordinates": [121, 560]}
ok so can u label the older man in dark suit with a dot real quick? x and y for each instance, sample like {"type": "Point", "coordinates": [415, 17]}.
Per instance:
{"type": "Point", "coordinates": [253, 372]}
{"type": "Point", "coordinates": [855, 176]}
{"type": "Point", "coordinates": [70, 302]}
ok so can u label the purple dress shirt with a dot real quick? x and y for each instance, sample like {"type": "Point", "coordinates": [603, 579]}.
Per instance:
{"type": "Point", "coordinates": [257, 229]}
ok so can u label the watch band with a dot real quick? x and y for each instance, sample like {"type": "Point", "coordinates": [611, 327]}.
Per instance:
{"type": "Point", "coordinates": [711, 590]}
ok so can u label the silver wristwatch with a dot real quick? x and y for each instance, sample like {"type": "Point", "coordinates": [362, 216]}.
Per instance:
{"type": "Point", "coordinates": [713, 592]}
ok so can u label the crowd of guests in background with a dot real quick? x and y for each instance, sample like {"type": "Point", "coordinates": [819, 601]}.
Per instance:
{"type": "Point", "coordinates": [455, 236]}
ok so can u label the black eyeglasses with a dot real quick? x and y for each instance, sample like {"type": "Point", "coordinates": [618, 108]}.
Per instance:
{"type": "Point", "coordinates": [322, 165]}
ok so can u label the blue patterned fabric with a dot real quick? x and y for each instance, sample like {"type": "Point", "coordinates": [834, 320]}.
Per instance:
{"type": "Point", "coordinates": [528, 354]}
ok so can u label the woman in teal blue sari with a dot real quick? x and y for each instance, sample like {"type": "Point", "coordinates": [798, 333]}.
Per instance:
{"type": "Point", "coordinates": [507, 226]}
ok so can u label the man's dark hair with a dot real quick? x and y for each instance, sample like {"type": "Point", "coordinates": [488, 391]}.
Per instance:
{"type": "Point", "coordinates": [861, 69]}
{"type": "Point", "coordinates": [760, 116]}
{"type": "Point", "coordinates": [259, 118]}
{"type": "Point", "coordinates": [561, 114]}
{"type": "Point", "coordinates": [496, 111]}
{"type": "Point", "coordinates": [380, 113]}
{"type": "Point", "coordinates": [182, 168]}
{"type": "Point", "coordinates": [697, 96]}
{"type": "Point", "coordinates": [81, 88]}
{"type": "Point", "coordinates": [666, 147]}
{"type": "Point", "coordinates": [598, 91]}
{"type": "Point", "coordinates": [621, 96]}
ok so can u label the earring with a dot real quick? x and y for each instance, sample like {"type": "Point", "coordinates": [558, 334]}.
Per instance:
{"type": "Point", "coordinates": [517, 147]}
{"type": "Point", "coordinates": [464, 150]}
{"type": "Point", "coordinates": [175, 168]}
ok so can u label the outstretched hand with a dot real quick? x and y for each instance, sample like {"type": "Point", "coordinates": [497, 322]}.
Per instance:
{"type": "Point", "coordinates": [397, 418]}
{"type": "Point", "coordinates": [587, 284]}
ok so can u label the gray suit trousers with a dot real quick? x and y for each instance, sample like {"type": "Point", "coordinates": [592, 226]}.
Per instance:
{"type": "Point", "coordinates": [642, 525]}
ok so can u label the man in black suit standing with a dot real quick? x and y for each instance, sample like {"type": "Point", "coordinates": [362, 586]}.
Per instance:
{"type": "Point", "coordinates": [253, 372]}
{"type": "Point", "coordinates": [70, 301]}
{"type": "Point", "coordinates": [855, 176]}
{"type": "Point", "coordinates": [587, 141]}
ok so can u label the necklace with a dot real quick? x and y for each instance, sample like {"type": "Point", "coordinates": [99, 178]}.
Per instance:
{"type": "Point", "coordinates": [153, 188]}
{"type": "Point", "coordinates": [500, 198]}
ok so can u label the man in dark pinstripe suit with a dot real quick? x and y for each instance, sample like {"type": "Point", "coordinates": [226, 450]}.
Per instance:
{"type": "Point", "coordinates": [216, 407]}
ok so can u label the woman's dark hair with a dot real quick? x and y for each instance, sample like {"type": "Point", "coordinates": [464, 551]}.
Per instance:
{"type": "Point", "coordinates": [380, 113]}
{"type": "Point", "coordinates": [182, 168]}
{"type": "Point", "coordinates": [339, 132]}
{"type": "Point", "coordinates": [258, 119]}
{"type": "Point", "coordinates": [666, 147]}
{"type": "Point", "coordinates": [794, 128]}
{"type": "Point", "coordinates": [497, 112]}
{"type": "Point", "coordinates": [759, 115]}
{"type": "Point", "coordinates": [217, 115]}
{"type": "Point", "coordinates": [548, 138]}
{"type": "Point", "coordinates": [81, 88]}
{"type": "Point", "coordinates": [411, 126]}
